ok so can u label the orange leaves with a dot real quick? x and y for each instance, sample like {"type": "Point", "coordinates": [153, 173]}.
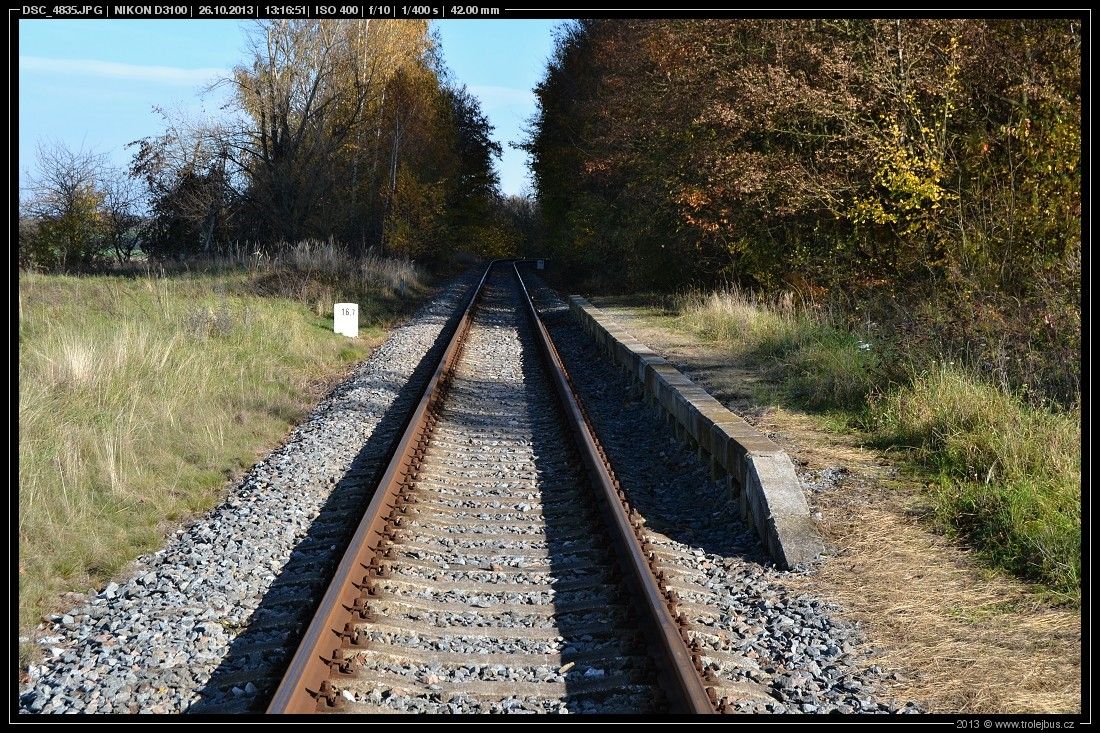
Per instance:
{"type": "Point", "coordinates": [693, 197]}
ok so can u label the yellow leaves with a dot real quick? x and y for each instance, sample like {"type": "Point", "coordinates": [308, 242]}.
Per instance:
{"type": "Point", "coordinates": [869, 209]}
{"type": "Point", "coordinates": [906, 186]}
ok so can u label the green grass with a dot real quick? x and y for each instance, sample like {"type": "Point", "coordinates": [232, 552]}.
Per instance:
{"type": "Point", "coordinates": [140, 396]}
{"type": "Point", "coordinates": [1009, 473]}
{"type": "Point", "coordinates": [1006, 472]}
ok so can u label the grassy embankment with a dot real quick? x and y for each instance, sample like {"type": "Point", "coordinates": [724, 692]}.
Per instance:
{"type": "Point", "coordinates": [139, 396]}
{"type": "Point", "coordinates": [1006, 467]}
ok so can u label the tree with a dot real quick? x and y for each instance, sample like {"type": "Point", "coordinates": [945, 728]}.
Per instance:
{"type": "Point", "coordinates": [473, 185]}
{"type": "Point", "coordinates": [338, 129]}
{"type": "Point", "coordinates": [309, 100]}
{"type": "Point", "coordinates": [65, 208]}
{"type": "Point", "coordinates": [193, 198]}
{"type": "Point", "coordinates": [522, 217]}
{"type": "Point", "coordinates": [121, 221]}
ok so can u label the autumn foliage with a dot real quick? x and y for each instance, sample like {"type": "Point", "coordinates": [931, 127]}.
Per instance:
{"type": "Point", "coordinates": [853, 156]}
{"type": "Point", "coordinates": [344, 130]}
{"type": "Point", "coordinates": [828, 148]}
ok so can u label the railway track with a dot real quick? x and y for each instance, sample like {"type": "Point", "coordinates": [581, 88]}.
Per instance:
{"type": "Point", "coordinates": [498, 566]}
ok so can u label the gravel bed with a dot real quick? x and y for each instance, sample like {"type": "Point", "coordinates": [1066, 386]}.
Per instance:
{"type": "Point", "coordinates": [203, 608]}
{"type": "Point", "coordinates": [802, 655]}
{"type": "Point", "coordinates": [448, 642]}
{"type": "Point", "coordinates": [469, 620]}
{"type": "Point", "coordinates": [503, 561]}
{"type": "Point", "coordinates": [536, 544]}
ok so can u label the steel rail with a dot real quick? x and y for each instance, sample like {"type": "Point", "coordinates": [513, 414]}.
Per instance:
{"type": "Point", "coordinates": [681, 669]}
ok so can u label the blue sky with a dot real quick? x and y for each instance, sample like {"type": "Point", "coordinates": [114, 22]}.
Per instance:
{"type": "Point", "coordinates": [94, 83]}
{"type": "Point", "coordinates": [501, 61]}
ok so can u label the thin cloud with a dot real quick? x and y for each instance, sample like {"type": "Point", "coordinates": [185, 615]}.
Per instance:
{"type": "Point", "coordinates": [495, 95]}
{"type": "Point", "coordinates": [172, 75]}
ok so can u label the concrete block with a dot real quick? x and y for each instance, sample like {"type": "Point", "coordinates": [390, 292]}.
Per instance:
{"type": "Point", "coordinates": [759, 474]}
{"type": "Point", "coordinates": [779, 509]}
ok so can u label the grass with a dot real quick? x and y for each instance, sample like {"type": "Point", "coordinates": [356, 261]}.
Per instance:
{"type": "Point", "coordinates": [139, 396]}
{"type": "Point", "coordinates": [1006, 471]}
{"type": "Point", "coordinates": [965, 640]}
{"type": "Point", "coordinates": [821, 365]}
{"type": "Point", "coordinates": [1009, 473]}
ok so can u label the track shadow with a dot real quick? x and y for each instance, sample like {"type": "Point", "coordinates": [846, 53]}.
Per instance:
{"type": "Point", "coordinates": [668, 483]}
{"type": "Point", "coordinates": [247, 677]}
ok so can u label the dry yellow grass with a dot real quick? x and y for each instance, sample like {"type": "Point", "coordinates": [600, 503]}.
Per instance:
{"type": "Point", "coordinates": [138, 396]}
{"type": "Point", "coordinates": [964, 639]}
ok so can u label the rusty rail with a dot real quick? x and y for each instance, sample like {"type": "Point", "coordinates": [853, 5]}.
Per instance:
{"type": "Point", "coordinates": [306, 686]}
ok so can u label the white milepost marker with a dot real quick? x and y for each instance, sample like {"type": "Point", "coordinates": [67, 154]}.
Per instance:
{"type": "Point", "coordinates": [345, 319]}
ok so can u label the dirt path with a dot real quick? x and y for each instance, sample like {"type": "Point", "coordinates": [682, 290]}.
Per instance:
{"type": "Point", "coordinates": [962, 638]}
